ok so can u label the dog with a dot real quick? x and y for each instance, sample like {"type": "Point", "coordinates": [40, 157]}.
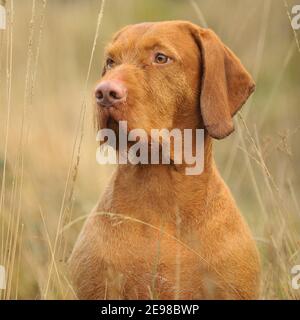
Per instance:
{"type": "Point", "coordinates": [158, 233]}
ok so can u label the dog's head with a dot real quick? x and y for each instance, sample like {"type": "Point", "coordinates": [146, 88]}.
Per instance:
{"type": "Point", "coordinates": [171, 75]}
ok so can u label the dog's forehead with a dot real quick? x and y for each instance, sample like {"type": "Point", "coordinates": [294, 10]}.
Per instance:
{"type": "Point", "coordinates": [149, 33]}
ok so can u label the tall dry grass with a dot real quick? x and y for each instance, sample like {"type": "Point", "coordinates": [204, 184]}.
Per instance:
{"type": "Point", "coordinates": [50, 58]}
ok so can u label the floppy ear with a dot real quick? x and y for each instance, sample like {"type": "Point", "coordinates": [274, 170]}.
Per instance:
{"type": "Point", "coordinates": [225, 85]}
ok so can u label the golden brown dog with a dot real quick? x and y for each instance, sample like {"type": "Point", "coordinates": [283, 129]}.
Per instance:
{"type": "Point", "coordinates": [157, 232]}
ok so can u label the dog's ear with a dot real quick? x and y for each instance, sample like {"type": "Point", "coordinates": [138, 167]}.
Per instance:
{"type": "Point", "coordinates": [225, 83]}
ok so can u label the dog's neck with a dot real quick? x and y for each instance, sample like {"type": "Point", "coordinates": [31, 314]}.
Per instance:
{"type": "Point", "coordinates": [162, 170]}
{"type": "Point", "coordinates": [158, 193]}
{"type": "Point", "coordinates": [166, 189]}
{"type": "Point", "coordinates": [166, 178]}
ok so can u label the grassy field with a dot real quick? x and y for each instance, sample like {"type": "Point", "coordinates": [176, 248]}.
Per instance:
{"type": "Point", "coordinates": [50, 59]}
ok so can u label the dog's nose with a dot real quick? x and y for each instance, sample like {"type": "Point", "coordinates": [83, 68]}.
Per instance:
{"type": "Point", "coordinates": [110, 93]}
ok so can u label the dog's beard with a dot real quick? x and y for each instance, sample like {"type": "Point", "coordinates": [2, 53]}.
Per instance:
{"type": "Point", "coordinates": [111, 119]}
{"type": "Point", "coordinates": [113, 125]}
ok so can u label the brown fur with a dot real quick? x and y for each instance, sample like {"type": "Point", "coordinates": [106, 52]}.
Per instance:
{"type": "Point", "coordinates": [156, 232]}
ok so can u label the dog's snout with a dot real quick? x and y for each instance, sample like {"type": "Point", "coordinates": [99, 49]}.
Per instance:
{"type": "Point", "coordinates": [110, 93]}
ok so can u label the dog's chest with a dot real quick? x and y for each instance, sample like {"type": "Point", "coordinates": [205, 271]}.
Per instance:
{"type": "Point", "coordinates": [131, 254]}
{"type": "Point", "coordinates": [140, 237]}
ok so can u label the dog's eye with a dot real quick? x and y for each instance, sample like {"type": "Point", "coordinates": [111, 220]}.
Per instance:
{"type": "Point", "coordinates": [110, 63]}
{"type": "Point", "coordinates": [161, 58]}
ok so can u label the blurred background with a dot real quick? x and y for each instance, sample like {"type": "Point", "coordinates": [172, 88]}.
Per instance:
{"type": "Point", "coordinates": [50, 59]}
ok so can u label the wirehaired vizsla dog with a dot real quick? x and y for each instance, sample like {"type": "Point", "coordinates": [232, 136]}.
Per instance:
{"type": "Point", "coordinates": [158, 233]}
